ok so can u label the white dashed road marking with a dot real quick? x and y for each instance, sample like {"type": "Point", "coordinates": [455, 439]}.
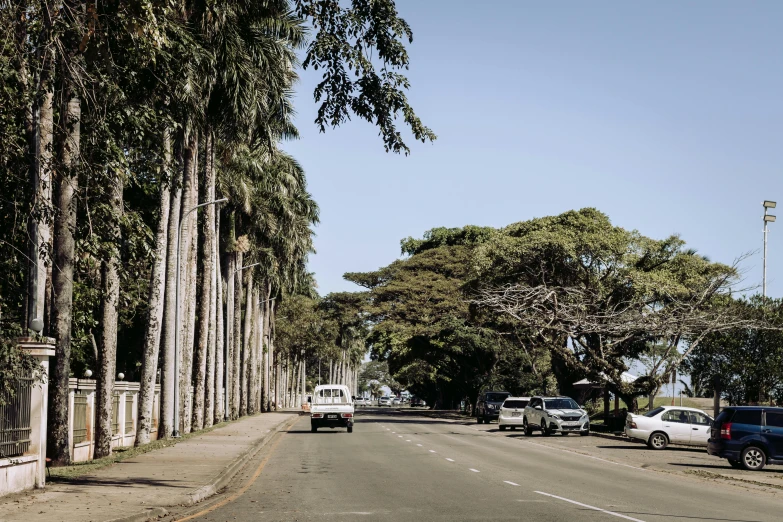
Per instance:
{"type": "Point", "coordinates": [407, 440]}
{"type": "Point", "coordinates": [512, 483]}
{"type": "Point", "coordinates": [450, 460]}
{"type": "Point", "coordinates": [419, 445]}
{"type": "Point", "coordinates": [474, 470]}
{"type": "Point", "coordinates": [590, 507]}
{"type": "Point", "coordinates": [433, 451]}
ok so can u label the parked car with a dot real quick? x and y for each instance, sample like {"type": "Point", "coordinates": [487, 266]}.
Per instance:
{"type": "Point", "coordinates": [385, 401]}
{"type": "Point", "coordinates": [396, 401]}
{"type": "Point", "coordinates": [511, 412]}
{"type": "Point", "coordinates": [416, 401]}
{"type": "Point", "coordinates": [748, 437]}
{"type": "Point", "coordinates": [360, 401]}
{"type": "Point", "coordinates": [555, 415]}
{"type": "Point", "coordinates": [331, 407]}
{"type": "Point", "coordinates": [669, 425]}
{"type": "Point", "coordinates": [488, 405]}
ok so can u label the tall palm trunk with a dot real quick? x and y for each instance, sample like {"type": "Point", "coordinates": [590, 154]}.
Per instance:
{"type": "Point", "coordinates": [229, 362]}
{"type": "Point", "coordinates": [237, 328]}
{"type": "Point", "coordinates": [266, 348]}
{"type": "Point", "coordinates": [166, 418]}
{"type": "Point", "coordinates": [157, 296]}
{"type": "Point", "coordinates": [220, 344]}
{"type": "Point", "coordinates": [189, 201]}
{"type": "Point", "coordinates": [252, 354]}
{"type": "Point", "coordinates": [64, 254]}
{"type": "Point", "coordinates": [107, 355]}
{"type": "Point", "coordinates": [206, 302]}
{"type": "Point", "coordinates": [257, 351]}
{"type": "Point", "coordinates": [246, 349]}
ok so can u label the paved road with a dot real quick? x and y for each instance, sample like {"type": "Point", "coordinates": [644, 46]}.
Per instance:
{"type": "Point", "coordinates": [399, 467]}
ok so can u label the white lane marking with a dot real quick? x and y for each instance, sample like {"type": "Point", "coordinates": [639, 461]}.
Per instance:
{"type": "Point", "coordinates": [590, 507]}
{"type": "Point", "coordinates": [474, 470]}
{"type": "Point", "coordinates": [433, 451]}
{"type": "Point", "coordinates": [419, 445]}
{"type": "Point", "coordinates": [407, 440]}
{"type": "Point", "coordinates": [450, 460]}
{"type": "Point", "coordinates": [394, 432]}
{"type": "Point", "coordinates": [400, 436]}
{"type": "Point", "coordinates": [512, 483]}
{"type": "Point", "coordinates": [583, 455]}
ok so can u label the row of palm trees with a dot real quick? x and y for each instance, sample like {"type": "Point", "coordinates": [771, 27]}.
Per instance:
{"type": "Point", "coordinates": [120, 119]}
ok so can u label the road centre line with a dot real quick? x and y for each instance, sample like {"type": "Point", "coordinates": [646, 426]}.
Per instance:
{"type": "Point", "coordinates": [512, 483]}
{"type": "Point", "coordinates": [450, 460]}
{"type": "Point", "coordinates": [582, 455]}
{"type": "Point", "coordinates": [400, 436]}
{"type": "Point", "coordinates": [419, 445]}
{"type": "Point", "coordinates": [433, 451]}
{"type": "Point", "coordinates": [407, 440]}
{"type": "Point", "coordinates": [474, 470]}
{"type": "Point", "coordinates": [590, 507]}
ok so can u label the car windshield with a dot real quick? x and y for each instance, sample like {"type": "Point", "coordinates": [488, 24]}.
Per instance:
{"type": "Point", "coordinates": [514, 404]}
{"type": "Point", "coordinates": [561, 404]}
{"type": "Point", "coordinates": [654, 412]}
{"type": "Point", "coordinates": [496, 397]}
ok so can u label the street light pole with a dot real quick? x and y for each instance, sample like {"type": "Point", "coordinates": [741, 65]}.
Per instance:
{"type": "Point", "coordinates": [179, 313]}
{"type": "Point", "coordinates": [768, 218]}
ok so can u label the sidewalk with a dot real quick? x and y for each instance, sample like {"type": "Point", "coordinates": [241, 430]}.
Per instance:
{"type": "Point", "coordinates": [143, 487]}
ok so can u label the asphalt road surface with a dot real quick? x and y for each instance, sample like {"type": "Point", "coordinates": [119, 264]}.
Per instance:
{"type": "Point", "coordinates": [405, 467]}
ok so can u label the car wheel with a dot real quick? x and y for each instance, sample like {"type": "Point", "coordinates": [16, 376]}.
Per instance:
{"type": "Point", "coordinates": [502, 428]}
{"type": "Point", "coordinates": [753, 458]}
{"type": "Point", "coordinates": [544, 429]}
{"type": "Point", "coordinates": [658, 441]}
{"type": "Point", "coordinates": [584, 433]}
{"type": "Point", "coordinates": [350, 429]}
{"type": "Point", "coordinates": [735, 464]}
{"type": "Point", "coordinates": [526, 427]}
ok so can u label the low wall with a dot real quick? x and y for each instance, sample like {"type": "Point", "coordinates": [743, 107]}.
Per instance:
{"type": "Point", "coordinates": [125, 405]}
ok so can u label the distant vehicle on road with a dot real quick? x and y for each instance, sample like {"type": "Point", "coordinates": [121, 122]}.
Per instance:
{"type": "Point", "coordinates": [331, 407]}
{"type": "Point", "coordinates": [511, 412]}
{"type": "Point", "coordinates": [748, 437]}
{"type": "Point", "coordinates": [488, 405]}
{"type": "Point", "coordinates": [385, 401]}
{"type": "Point", "coordinates": [396, 401]}
{"type": "Point", "coordinates": [360, 401]}
{"type": "Point", "coordinates": [416, 401]}
{"type": "Point", "coordinates": [555, 415]}
{"type": "Point", "coordinates": [669, 425]}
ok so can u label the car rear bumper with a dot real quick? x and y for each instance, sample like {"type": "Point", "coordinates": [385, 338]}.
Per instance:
{"type": "Point", "coordinates": [637, 434]}
{"type": "Point", "coordinates": [719, 449]}
{"type": "Point", "coordinates": [510, 421]}
{"type": "Point", "coordinates": [327, 422]}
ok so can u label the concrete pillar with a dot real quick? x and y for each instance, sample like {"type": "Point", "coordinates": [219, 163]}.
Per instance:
{"type": "Point", "coordinates": [41, 348]}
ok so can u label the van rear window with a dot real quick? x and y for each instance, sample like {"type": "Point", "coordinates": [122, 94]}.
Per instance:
{"type": "Point", "coordinates": [752, 417]}
{"type": "Point", "coordinates": [515, 404]}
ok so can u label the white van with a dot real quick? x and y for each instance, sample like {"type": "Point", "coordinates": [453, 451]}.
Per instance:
{"type": "Point", "coordinates": [331, 407]}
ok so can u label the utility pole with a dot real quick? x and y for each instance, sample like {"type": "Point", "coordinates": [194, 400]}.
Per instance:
{"type": "Point", "coordinates": [768, 218]}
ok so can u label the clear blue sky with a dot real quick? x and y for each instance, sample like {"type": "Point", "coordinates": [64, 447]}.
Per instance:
{"type": "Point", "coordinates": [667, 117]}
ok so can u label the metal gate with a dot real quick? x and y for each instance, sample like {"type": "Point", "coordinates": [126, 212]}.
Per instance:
{"type": "Point", "coordinates": [15, 421]}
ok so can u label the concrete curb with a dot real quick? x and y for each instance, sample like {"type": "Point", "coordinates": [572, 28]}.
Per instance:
{"type": "Point", "coordinates": [218, 482]}
{"type": "Point", "coordinates": [224, 477]}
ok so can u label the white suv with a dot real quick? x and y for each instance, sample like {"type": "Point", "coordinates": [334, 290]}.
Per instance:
{"type": "Point", "coordinates": [555, 415]}
{"type": "Point", "coordinates": [511, 412]}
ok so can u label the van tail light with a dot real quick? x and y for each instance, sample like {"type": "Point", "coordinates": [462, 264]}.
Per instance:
{"type": "Point", "coordinates": [632, 425]}
{"type": "Point", "coordinates": [347, 415]}
{"type": "Point", "coordinates": [725, 430]}
{"type": "Point", "coordinates": [317, 415]}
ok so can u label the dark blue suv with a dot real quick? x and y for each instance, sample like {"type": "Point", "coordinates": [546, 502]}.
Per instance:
{"type": "Point", "coordinates": [748, 436]}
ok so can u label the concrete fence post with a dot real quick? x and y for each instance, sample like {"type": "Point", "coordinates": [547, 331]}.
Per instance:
{"type": "Point", "coordinates": [42, 349]}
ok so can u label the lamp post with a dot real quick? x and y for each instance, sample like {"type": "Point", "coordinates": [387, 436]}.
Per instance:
{"type": "Point", "coordinates": [179, 312]}
{"type": "Point", "coordinates": [768, 218]}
